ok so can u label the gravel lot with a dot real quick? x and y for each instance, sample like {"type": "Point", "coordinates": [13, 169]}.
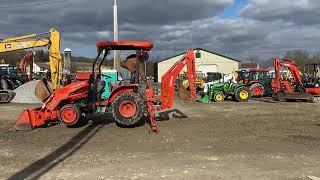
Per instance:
{"type": "Point", "coordinates": [260, 139]}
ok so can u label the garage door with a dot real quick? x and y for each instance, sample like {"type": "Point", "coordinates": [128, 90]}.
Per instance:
{"type": "Point", "coordinates": [205, 68]}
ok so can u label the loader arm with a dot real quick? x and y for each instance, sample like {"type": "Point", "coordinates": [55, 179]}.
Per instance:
{"type": "Point", "coordinates": [169, 79]}
{"type": "Point", "coordinates": [34, 41]}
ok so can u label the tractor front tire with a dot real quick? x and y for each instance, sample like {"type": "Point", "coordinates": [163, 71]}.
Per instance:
{"type": "Point", "coordinates": [128, 109]}
{"type": "Point", "coordinates": [257, 90]}
{"type": "Point", "coordinates": [70, 115]}
{"type": "Point", "coordinates": [242, 94]}
{"type": "Point", "coordinates": [218, 97]}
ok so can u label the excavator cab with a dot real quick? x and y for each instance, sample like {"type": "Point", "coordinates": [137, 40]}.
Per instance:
{"type": "Point", "coordinates": [311, 75]}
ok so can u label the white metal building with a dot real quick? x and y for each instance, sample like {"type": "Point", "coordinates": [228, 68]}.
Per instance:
{"type": "Point", "coordinates": [206, 61]}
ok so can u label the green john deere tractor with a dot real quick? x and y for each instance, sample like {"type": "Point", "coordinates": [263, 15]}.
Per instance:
{"type": "Point", "coordinates": [218, 92]}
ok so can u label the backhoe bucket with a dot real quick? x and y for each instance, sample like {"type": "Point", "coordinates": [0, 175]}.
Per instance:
{"type": "Point", "coordinates": [26, 121]}
{"type": "Point", "coordinates": [183, 93]}
{"type": "Point", "coordinates": [204, 99]}
{"type": "Point", "coordinates": [43, 90]}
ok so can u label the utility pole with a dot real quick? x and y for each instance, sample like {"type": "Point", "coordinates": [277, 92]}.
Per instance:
{"type": "Point", "coordinates": [116, 58]}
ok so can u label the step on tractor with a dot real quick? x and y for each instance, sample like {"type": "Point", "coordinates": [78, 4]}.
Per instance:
{"type": "Point", "coordinates": [291, 89]}
{"type": "Point", "coordinates": [128, 103]}
{"type": "Point", "coordinates": [218, 92]}
{"type": "Point", "coordinates": [257, 79]}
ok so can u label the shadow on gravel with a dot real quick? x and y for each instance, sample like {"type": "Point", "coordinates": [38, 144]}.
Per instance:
{"type": "Point", "coordinates": [176, 113]}
{"type": "Point", "coordinates": [44, 165]}
{"type": "Point", "coordinates": [265, 100]}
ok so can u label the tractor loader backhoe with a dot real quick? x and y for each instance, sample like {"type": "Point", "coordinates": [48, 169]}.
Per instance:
{"type": "Point", "coordinates": [128, 103]}
{"type": "Point", "coordinates": [50, 39]}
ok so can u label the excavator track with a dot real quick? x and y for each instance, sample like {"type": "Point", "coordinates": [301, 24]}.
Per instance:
{"type": "Point", "coordinates": [6, 96]}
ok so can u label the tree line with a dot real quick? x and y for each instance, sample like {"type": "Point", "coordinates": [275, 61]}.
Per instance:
{"type": "Point", "coordinates": [300, 56]}
{"type": "Point", "coordinates": [42, 56]}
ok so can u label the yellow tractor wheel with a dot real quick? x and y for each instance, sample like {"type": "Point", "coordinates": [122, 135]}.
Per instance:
{"type": "Point", "coordinates": [218, 97]}
{"type": "Point", "coordinates": [242, 94]}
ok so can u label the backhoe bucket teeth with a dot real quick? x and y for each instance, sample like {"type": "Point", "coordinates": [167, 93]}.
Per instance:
{"type": "Point", "coordinates": [26, 121]}
{"type": "Point", "coordinates": [204, 99]}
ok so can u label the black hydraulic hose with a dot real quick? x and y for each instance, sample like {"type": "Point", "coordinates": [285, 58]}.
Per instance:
{"type": "Point", "coordinates": [95, 61]}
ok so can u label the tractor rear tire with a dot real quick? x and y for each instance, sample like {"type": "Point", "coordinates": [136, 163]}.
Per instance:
{"type": "Point", "coordinates": [4, 84]}
{"type": "Point", "coordinates": [70, 115]}
{"type": "Point", "coordinates": [128, 109]}
{"type": "Point", "coordinates": [218, 97]}
{"type": "Point", "coordinates": [257, 90]}
{"type": "Point", "coordinates": [242, 94]}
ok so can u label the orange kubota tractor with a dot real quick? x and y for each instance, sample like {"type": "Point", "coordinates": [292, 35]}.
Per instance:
{"type": "Point", "coordinates": [284, 89]}
{"type": "Point", "coordinates": [127, 102]}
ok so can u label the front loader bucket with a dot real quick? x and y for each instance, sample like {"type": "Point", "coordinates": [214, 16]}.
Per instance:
{"type": "Point", "coordinates": [204, 99]}
{"type": "Point", "coordinates": [26, 121]}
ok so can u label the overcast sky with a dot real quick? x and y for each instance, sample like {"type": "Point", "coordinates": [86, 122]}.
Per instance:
{"type": "Point", "coordinates": [238, 28]}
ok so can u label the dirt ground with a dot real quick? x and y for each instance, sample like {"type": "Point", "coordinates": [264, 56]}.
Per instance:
{"type": "Point", "coordinates": [255, 140]}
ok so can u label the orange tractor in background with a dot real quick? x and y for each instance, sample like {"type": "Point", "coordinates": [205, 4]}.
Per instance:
{"type": "Point", "coordinates": [127, 102]}
{"type": "Point", "coordinates": [258, 80]}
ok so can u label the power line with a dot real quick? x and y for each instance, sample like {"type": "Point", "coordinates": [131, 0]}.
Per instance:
{"type": "Point", "coordinates": [34, 4]}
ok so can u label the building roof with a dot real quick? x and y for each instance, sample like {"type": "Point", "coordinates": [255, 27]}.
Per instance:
{"type": "Point", "coordinates": [201, 50]}
{"type": "Point", "coordinates": [249, 65]}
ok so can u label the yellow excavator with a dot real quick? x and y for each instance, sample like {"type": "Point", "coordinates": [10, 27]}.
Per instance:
{"type": "Point", "coordinates": [50, 39]}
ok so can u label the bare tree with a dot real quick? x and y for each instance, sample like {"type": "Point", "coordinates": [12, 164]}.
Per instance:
{"type": "Point", "coordinates": [299, 56]}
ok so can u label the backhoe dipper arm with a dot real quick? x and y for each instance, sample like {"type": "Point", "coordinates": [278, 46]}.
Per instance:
{"type": "Point", "coordinates": [169, 79]}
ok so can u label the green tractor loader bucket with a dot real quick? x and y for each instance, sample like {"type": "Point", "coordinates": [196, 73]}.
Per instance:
{"type": "Point", "coordinates": [204, 99]}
